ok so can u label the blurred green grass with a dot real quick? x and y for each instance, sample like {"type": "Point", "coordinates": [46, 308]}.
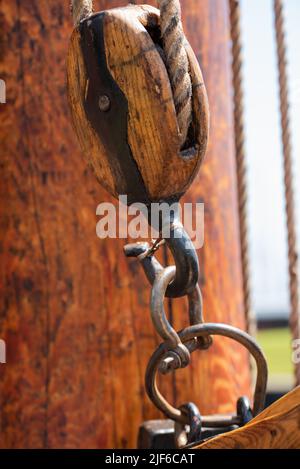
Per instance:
{"type": "Point", "coordinates": [276, 344]}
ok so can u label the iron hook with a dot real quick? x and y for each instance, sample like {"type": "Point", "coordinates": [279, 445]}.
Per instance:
{"type": "Point", "coordinates": [183, 252]}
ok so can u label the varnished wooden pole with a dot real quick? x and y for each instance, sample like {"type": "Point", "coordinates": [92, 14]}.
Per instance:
{"type": "Point", "coordinates": [74, 312]}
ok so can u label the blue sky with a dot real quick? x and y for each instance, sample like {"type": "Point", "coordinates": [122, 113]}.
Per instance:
{"type": "Point", "coordinates": [266, 208]}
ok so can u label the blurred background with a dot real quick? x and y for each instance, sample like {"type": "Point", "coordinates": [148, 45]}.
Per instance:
{"type": "Point", "coordinates": [268, 236]}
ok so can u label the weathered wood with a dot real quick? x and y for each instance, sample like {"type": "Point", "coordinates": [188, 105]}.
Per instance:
{"type": "Point", "coordinates": [277, 427]}
{"type": "Point", "coordinates": [74, 312]}
{"type": "Point", "coordinates": [149, 124]}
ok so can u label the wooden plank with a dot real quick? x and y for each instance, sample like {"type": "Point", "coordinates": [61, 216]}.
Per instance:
{"type": "Point", "coordinates": [277, 427]}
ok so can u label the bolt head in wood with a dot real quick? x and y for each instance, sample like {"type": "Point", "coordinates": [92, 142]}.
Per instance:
{"type": "Point", "coordinates": [115, 64]}
{"type": "Point", "coordinates": [104, 103]}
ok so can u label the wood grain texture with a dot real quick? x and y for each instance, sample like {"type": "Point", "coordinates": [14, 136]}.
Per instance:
{"type": "Point", "coordinates": [74, 312]}
{"type": "Point", "coordinates": [153, 136]}
{"type": "Point", "coordinates": [277, 427]}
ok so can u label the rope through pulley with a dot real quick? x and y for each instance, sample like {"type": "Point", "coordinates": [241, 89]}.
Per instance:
{"type": "Point", "coordinates": [126, 113]}
{"type": "Point", "coordinates": [176, 58]}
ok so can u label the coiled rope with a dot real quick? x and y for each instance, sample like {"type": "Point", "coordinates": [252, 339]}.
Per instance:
{"type": "Point", "coordinates": [288, 176]}
{"type": "Point", "coordinates": [81, 9]}
{"type": "Point", "coordinates": [241, 166]}
{"type": "Point", "coordinates": [176, 57]}
{"type": "Point", "coordinates": [177, 62]}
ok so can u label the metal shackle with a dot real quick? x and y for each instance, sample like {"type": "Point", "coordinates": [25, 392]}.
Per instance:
{"type": "Point", "coordinates": [204, 330]}
{"type": "Point", "coordinates": [176, 238]}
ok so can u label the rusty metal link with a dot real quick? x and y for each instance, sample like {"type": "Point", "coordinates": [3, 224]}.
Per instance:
{"type": "Point", "coordinates": [172, 281]}
{"type": "Point", "coordinates": [184, 437]}
{"type": "Point", "coordinates": [178, 354]}
{"type": "Point", "coordinates": [156, 244]}
{"type": "Point", "coordinates": [183, 252]}
{"type": "Point", "coordinates": [243, 410]}
{"type": "Point", "coordinates": [188, 436]}
{"type": "Point", "coordinates": [177, 347]}
{"type": "Point", "coordinates": [187, 337]}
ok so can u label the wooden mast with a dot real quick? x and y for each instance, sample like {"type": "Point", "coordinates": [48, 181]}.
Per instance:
{"type": "Point", "coordinates": [74, 312]}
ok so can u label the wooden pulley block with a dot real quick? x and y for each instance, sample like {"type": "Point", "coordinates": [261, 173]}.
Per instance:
{"type": "Point", "coordinates": [123, 108]}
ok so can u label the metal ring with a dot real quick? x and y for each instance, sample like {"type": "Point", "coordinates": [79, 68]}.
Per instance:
{"type": "Point", "coordinates": [204, 330]}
